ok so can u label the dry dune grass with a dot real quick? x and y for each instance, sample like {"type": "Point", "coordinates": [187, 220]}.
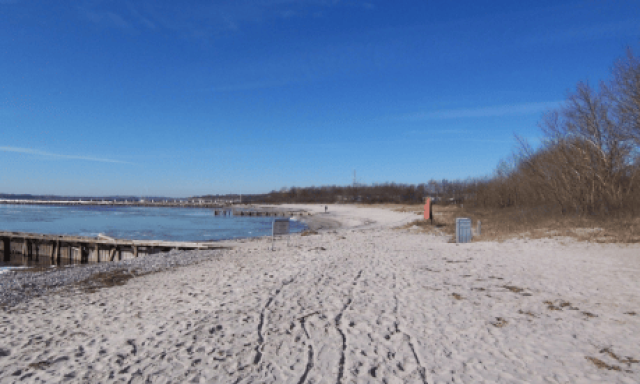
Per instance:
{"type": "Point", "coordinates": [504, 224]}
{"type": "Point", "coordinates": [416, 208]}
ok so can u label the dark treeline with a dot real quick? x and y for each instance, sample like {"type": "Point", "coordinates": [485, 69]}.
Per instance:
{"type": "Point", "coordinates": [443, 190]}
{"type": "Point", "coordinates": [588, 161]}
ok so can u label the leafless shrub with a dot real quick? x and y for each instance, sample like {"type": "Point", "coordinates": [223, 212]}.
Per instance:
{"type": "Point", "coordinates": [588, 163]}
{"type": "Point", "coordinates": [624, 93]}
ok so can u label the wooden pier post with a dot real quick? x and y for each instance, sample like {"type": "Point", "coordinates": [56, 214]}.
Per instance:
{"type": "Point", "coordinates": [135, 251]}
{"type": "Point", "coordinates": [55, 255]}
{"type": "Point", "coordinates": [97, 249]}
{"type": "Point", "coordinates": [27, 246]}
{"type": "Point", "coordinates": [7, 249]}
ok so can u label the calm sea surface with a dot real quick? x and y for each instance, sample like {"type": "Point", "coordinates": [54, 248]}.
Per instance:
{"type": "Point", "coordinates": [141, 223]}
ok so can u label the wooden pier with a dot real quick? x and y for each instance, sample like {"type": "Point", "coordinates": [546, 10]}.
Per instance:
{"type": "Point", "coordinates": [77, 249]}
{"type": "Point", "coordinates": [253, 212]}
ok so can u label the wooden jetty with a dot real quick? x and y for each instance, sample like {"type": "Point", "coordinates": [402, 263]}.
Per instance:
{"type": "Point", "coordinates": [79, 249]}
{"type": "Point", "coordinates": [253, 212]}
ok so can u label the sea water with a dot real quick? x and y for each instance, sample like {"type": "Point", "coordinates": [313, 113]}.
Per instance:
{"type": "Point", "coordinates": [139, 223]}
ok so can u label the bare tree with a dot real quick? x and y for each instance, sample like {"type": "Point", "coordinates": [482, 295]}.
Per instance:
{"type": "Point", "coordinates": [624, 92]}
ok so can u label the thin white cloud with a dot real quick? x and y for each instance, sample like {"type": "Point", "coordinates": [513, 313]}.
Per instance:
{"type": "Point", "coordinates": [36, 152]}
{"type": "Point", "coordinates": [492, 111]}
{"type": "Point", "coordinates": [248, 86]}
{"type": "Point", "coordinates": [437, 131]}
{"type": "Point", "coordinates": [591, 32]}
{"type": "Point", "coordinates": [204, 19]}
{"type": "Point", "coordinates": [107, 19]}
{"type": "Point", "coordinates": [465, 139]}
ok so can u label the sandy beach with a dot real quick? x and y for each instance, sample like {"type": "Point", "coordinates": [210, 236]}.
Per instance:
{"type": "Point", "coordinates": [360, 301]}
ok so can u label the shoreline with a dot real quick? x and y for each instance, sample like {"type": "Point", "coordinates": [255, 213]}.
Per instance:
{"type": "Point", "coordinates": [319, 223]}
{"type": "Point", "coordinates": [350, 216]}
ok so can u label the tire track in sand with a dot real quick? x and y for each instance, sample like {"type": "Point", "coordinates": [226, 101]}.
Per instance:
{"type": "Point", "coordinates": [309, 366]}
{"type": "Point", "coordinates": [344, 337]}
{"type": "Point", "coordinates": [258, 357]}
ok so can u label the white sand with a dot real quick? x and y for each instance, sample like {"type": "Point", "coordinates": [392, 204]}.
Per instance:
{"type": "Point", "coordinates": [376, 305]}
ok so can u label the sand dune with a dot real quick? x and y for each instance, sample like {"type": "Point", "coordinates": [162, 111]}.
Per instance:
{"type": "Point", "coordinates": [363, 303]}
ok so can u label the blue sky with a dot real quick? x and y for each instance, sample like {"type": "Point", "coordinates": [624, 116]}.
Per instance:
{"type": "Point", "coordinates": [195, 97]}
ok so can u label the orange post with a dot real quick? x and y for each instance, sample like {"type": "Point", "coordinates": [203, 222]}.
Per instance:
{"type": "Point", "coordinates": [427, 208]}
